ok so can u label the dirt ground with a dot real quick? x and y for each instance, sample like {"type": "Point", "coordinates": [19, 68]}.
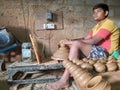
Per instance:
{"type": "Point", "coordinates": [112, 77]}
{"type": "Point", "coordinates": [37, 86]}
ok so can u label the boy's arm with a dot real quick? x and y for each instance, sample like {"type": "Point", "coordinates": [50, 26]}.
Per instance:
{"type": "Point", "coordinates": [92, 40]}
{"type": "Point", "coordinates": [83, 38]}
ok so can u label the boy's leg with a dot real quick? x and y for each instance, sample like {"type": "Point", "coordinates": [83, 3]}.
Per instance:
{"type": "Point", "coordinates": [79, 46]}
{"type": "Point", "coordinates": [62, 83]}
{"type": "Point", "coordinates": [74, 50]}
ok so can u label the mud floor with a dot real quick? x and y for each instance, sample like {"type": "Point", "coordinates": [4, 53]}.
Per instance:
{"type": "Point", "coordinates": [112, 77]}
{"type": "Point", "coordinates": [38, 86]}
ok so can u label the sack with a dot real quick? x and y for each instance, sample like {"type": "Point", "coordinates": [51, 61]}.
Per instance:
{"type": "Point", "coordinates": [5, 38]}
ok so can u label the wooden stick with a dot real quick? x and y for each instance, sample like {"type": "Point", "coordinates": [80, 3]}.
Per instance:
{"type": "Point", "coordinates": [36, 48]}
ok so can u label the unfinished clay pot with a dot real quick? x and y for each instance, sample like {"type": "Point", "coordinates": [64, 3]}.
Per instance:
{"type": "Point", "coordinates": [111, 66]}
{"type": "Point", "coordinates": [61, 53]}
{"type": "Point", "coordinates": [98, 83]}
{"type": "Point", "coordinates": [100, 67]}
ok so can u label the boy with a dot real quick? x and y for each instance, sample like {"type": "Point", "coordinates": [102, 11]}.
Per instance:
{"type": "Point", "coordinates": [101, 41]}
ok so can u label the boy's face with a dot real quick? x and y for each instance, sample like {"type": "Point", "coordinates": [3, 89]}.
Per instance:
{"type": "Point", "coordinates": [99, 14]}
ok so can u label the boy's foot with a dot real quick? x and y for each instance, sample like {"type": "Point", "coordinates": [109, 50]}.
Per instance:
{"type": "Point", "coordinates": [57, 85]}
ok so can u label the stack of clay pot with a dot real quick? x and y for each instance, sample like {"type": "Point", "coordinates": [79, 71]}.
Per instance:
{"type": "Point", "coordinates": [99, 65]}
{"type": "Point", "coordinates": [61, 53]}
{"type": "Point", "coordinates": [84, 63]}
{"type": "Point", "coordinates": [85, 79]}
{"type": "Point", "coordinates": [106, 64]}
{"type": "Point", "coordinates": [80, 75]}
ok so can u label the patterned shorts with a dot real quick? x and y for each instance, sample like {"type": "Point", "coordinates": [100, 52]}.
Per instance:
{"type": "Point", "coordinates": [98, 52]}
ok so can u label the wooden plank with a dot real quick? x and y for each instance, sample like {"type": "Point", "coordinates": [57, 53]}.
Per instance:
{"type": "Point", "coordinates": [36, 48]}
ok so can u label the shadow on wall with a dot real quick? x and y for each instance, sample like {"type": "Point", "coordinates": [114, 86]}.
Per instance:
{"type": "Point", "coordinates": [44, 51]}
{"type": "Point", "coordinates": [21, 33]}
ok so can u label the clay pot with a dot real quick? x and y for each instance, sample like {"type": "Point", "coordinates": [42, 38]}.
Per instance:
{"type": "Point", "coordinates": [100, 67]}
{"type": "Point", "coordinates": [84, 78]}
{"type": "Point", "coordinates": [80, 62]}
{"type": "Point", "coordinates": [77, 61]}
{"type": "Point", "coordinates": [91, 62]}
{"type": "Point", "coordinates": [118, 63]}
{"type": "Point", "coordinates": [67, 63]}
{"type": "Point", "coordinates": [61, 53]}
{"type": "Point", "coordinates": [70, 66]}
{"type": "Point", "coordinates": [111, 66]}
{"type": "Point", "coordinates": [87, 66]}
{"type": "Point", "coordinates": [85, 59]}
{"type": "Point", "coordinates": [95, 59]}
{"type": "Point", "coordinates": [77, 73]}
{"type": "Point", "coordinates": [103, 60]}
{"type": "Point", "coordinates": [118, 60]}
{"type": "Point", "coordinates": [111, 58]}
{"type": "Point", "coordinates": [107, 86]}
{"type": "Point", "coordinates": [97, 83]}
{"type": "Point", "coordinates": [73, 68]}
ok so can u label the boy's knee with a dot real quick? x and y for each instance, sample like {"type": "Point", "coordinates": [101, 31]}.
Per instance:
{"type": "Point", "coordinates": [77, 43]}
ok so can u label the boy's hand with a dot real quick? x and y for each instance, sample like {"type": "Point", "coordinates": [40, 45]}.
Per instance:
{"type": "Point", "coordinates": [64, 41]}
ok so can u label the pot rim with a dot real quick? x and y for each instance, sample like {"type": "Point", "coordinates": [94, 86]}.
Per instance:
{"type": "Point", "coordinates": [98, 79]}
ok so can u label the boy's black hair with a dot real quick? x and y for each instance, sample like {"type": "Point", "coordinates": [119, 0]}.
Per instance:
{"type": "Point", "coordinates": [102, 6]}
